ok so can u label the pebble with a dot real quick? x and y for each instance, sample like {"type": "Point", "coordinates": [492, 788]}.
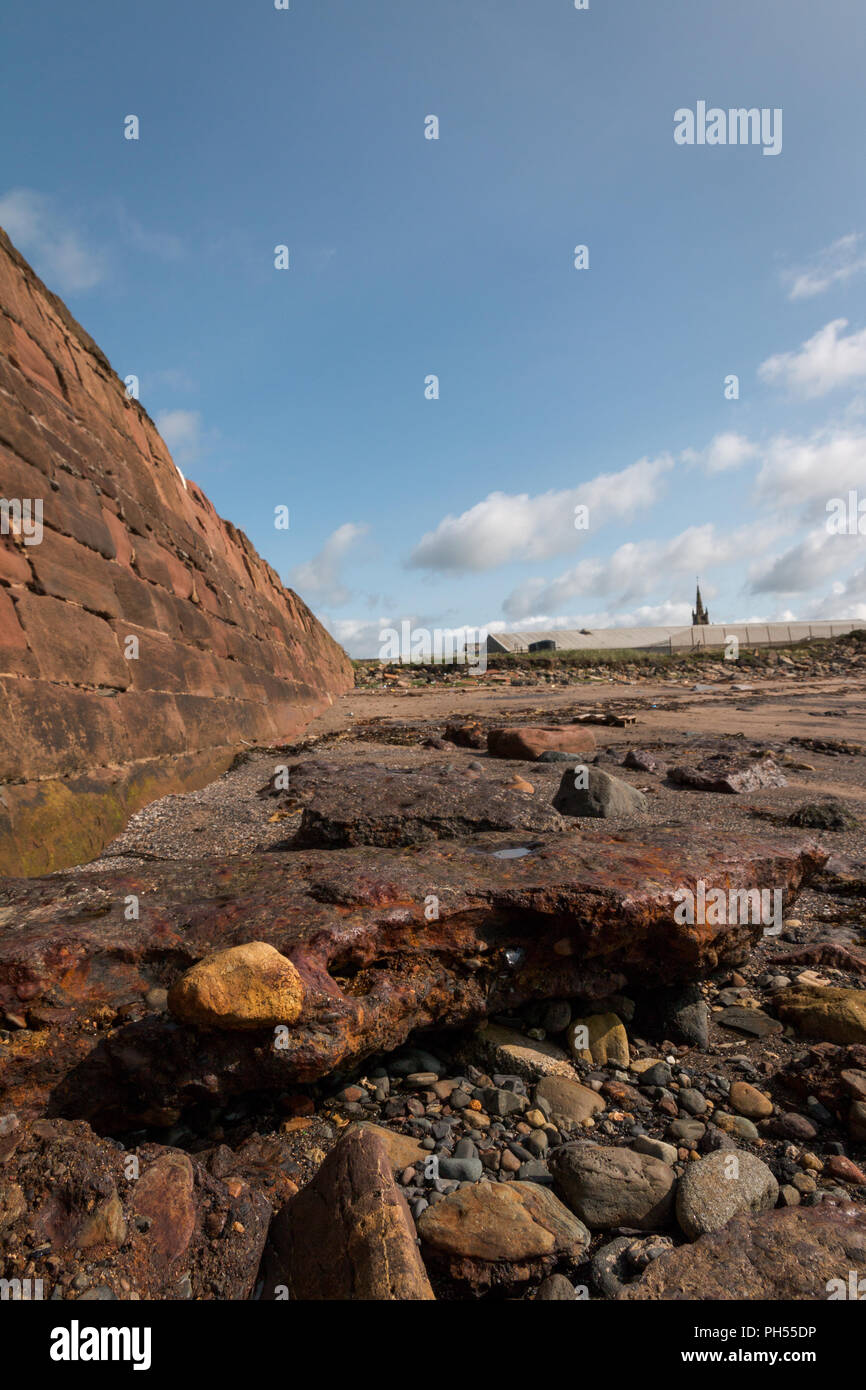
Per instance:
{"type": "Point", "coordinates": [687, 1131]}
{"type": "Point", "coordinates": [792, 1126]}
{"type": "Point", "coordinates": [710, 1193]}
{"type": "Point", "coordinates": [461, 1169]}
{"type": "Point", "coordinates": [656, 1148]}
{"type": "Point", "coordinates": [535, 1170]}
{"type": "Point", "coordinates": [465, 1148]}
{"type": "Point", "coordinates": [842, 1168]}
{"type": "Point", "coordinates": [555, 1288]}
{"type": "Point", "coordinates": [659, 1074]}
{"type": "Point", "coordinates": [737, 1124]}
{"type": "Point", "coordinates": [692, 1101]}
{"type": "Point", "coordinates": [749, 1101]}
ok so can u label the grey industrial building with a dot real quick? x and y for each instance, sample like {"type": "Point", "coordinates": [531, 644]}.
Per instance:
{"type": "Point", "coordinates": [670, 639]}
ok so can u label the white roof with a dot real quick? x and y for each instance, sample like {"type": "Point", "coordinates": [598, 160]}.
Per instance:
{"type": "Point", "coordinates": [670, 638]}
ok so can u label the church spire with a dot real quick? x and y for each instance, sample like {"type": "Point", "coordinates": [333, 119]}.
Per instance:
{"type": "Point", "coordinates": [700, 616]}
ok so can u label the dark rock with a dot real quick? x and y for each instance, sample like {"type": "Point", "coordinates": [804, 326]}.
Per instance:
{"type": "Point", "coordinates": [614, 1187]}
{"type": "Point", "coordinates": [752, 1021]}
{"type": "Point", "coordinates": [802, 1253]}
{"type": "Point", "coordinates": [687, 1132]}
{"type": "Point", "coordinates": [619, 1263]}
{"type": "Point", "coordinates": [720, 773]}
{"type": "Point", "coordinates": [603, 796]}
{"type": "Point", "coordinates": [139, 1216]}
{"type": "Point", "coordinates": [461, 1169]}
{"type": "Point", "coordinates": [790, 1126]}
{"type": "Point", "coordinates": [535, 1170]}
{"type": "Point", "coordinates": [642, 761]}
{"type": "Point", "coordinates": [823, 815]}
{"type": "Point", "coordinates": [368, 804]}
{"type": "Point", "coordinates": [659, 1074]}
{"type": "Point", "coordinates": [555, 1288]}
{"type": "Point", "coordinates": [688, 1018]}
{"type": "Point", "coordinates": [691, 1101]}
{"type": "Point", "coordinates": [469, 734]}
{"type": "Point", "coordinates": [349, 1233]}
{"type": "Point", "coordinates": [717, 1187]}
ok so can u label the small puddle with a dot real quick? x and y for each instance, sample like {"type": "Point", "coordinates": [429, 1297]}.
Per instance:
{"type": "Point", "coordinates": [517, 853]}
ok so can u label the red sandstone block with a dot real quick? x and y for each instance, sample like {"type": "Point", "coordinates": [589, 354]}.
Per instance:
{"type": "Point", "coordinates": [14, 562]}
{"type": "Point", "coordinates": [210, 723]}
{"type": "Point", "coordinates": [274, 658]}
{"type": "Point", "coordinates": [15, 295]}
{"type": "Point", "coordinates": [15, 658]}
{"type": "Point", "coordinates": [150, 725]}
{"type": "Point", "coordinates": [71, 645]}
{"type": "Point", "coordinates": [68, 443]}
{"type": "Point", "coordinates": [77, 513]}
{"type": "Point", "coordinates": [24, 438]}
{"type": "Point", "coordinates": [137, 599]}
{"type": "Point", "coordinates": [67, 570]}
{"type": "Point", "coordinates": [28, 356]}
{"type": "Point", "coordinates": [157, 564]}
{"type": "Point", "coordinates": [187, 622]}
{"type": "Point", "coordinates": [242, 647]}
{"type": "Point", "coordinates": [213, 635]}
{"type": "Point", "coordinates": [56, 730]}
{"type": "Point", "coordinates": [18, 478]}
{"type": "Point", "coordinates": [169, 665]}
{"type": "Point", "coordinates": [207, 597]}
{"type": "Point", "coordinates": [133, 515]}
{"type": "Point", "coordinates": [120, 536]}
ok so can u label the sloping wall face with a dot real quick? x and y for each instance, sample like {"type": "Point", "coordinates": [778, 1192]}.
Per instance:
{"type": "Point", "coordinates": [143, 641]}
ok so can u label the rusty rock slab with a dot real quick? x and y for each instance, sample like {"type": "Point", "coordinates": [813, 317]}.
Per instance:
{"type": "Point", "coordinates": [385, 941]}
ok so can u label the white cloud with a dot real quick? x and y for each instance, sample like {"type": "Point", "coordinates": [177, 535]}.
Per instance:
{"type": "Point", "coordinates": [812, 561]}
{"type": "Point", "coordinates": [50, 241]}
{"type": "Point", "coordinates": [320, 578]}
{"type": "Point", "coordinates": [725, 451]}
{"type": "Point", "coordinates": [813, 469]}
{"type": "Point", "coordinates": [634, 569]}
{"type": "Point", "coordinates": [845, 600]}
{"type": "Point", "coordinates": [824, 362]}
{"type": "Point", "coordinates": [363, 638]}
{"type": "Point", "coordinates": [181, 430]}
{"type": "Point", "coordinates": [834, 264]}
{"type": "Point", "coordinates": [666, 614]}
{"type": "Point", "coordinates": [358, 636]}
{"type": "Point", "coordinates": [506, 527]}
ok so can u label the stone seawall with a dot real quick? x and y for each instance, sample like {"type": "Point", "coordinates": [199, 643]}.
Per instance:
{"type": "Point", "coordinates": [143, 641]}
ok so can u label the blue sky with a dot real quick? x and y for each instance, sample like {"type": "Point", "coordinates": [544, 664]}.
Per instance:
{"type": "Point", "coordinates": [411, 257]}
